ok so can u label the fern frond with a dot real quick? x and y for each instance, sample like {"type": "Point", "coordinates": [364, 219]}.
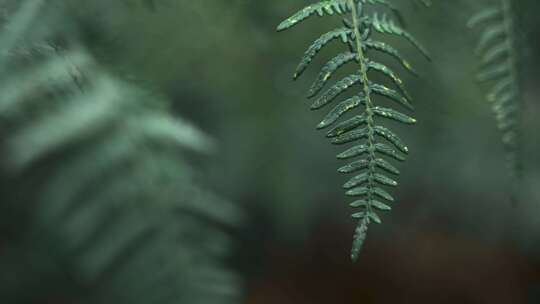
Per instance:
{"type": "Point", "coordinates": [95, 175]}
{"type": "Point", "coordinates": [374, 141]}
{"type": "Point", "coordinates": [498, 55]}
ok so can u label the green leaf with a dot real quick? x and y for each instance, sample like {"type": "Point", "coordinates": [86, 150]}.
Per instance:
{"type": "Point", "coordinates": [490, 35]}
{"type": "Point", "coordinates": [324, 7]}
{"type": "Point", "coordinates": [357, 180]}
{"type": "Point", "coordinates": [494, 72]}
{"type": "Point", "coordinates": [496, 53]}
{"type": "Point", "coordinates": [501, 87]}
{"type": "Point", "coordinates": [316, 47]}
{"type": "Point", "coordinates": [350, 136]}
{"type": "Point", "coordinates": [354, 166]}
{"type": "Point", "coordinates": [339, 110]}
{"type": "Point", "coordinates": [389, 73]}
{"type": "Point", "coordinates": [375, 217]}
{"type": "Point", "coordinates": [389, 50]}
{"type": "Point", "coordinates": [364, 178]}
{"type": "Point", "coordinates": [359, 238]}
{"type": "Point", "coordinates": [384, 180]}
{"type": "Point", "coordinates": [354, 151]}
{"type": "Point", "coordinates": [359, 215]}
{"type": "Point", "coordinates": [485, 15]}
{"type": "Point", "coordinates": [385, 165]}
{"type": "Point", "coordinates": [347, 125]}
{"type": "Point", "coordinates": [394, 115]}
{"type": "Point", "coordinates": [389, 6]}
{"type": "Point", "coordinates": [372, 215]}
{"type": "Point", "coordinates": [383, 194]}
{"type": "Point", "coordinates": [386, 25]}
{"type": "Point", "coordinates": [373, 203]}
{"type": "Point", "coordinates": [358, 191]}
{"type": "Point", "coordinates": [391, 94]}
{"type": "Point", "coordinates": [388, 151]}
{"type": "Point", "coordinates": [337, 89]}
{"type": "Point", "coordinates": [328, 69]}
{"type": "Point", "coordinates": [391, 137]}
{"type": "Point", "coordinates": [381, 206]}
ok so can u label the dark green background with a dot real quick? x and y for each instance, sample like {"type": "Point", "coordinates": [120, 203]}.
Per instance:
{"type": "Point", "coordinates": [453, 236]}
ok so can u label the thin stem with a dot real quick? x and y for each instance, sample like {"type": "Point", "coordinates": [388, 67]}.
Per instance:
{"type": "Point", "coordinates": [360, 57]}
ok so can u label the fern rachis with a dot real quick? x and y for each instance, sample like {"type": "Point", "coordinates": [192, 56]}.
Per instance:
{"type": "Point", "coordinates": [377, 141]}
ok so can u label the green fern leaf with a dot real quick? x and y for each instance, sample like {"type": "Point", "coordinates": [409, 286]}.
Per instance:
{"type": "Point", "coordinates": [340, 87]}
{"type": "Point", "coordinates": [360, 234]}
{"type": "Point", "coordinates": [327, 71]}
{"type": "Point", "coordinates": [338, 111]}
{"type": "Point", "coordinates": [322, 8]}
{"type": "Point", "coordinates": [315, 48]}
{"type": "Point", "coordinates": [497, 51]}
{"type": "Point", "coordinates": [486, 15]}
{"type": "Point", "coordinates": [391, 94]}
{"type": "Point", "coordinates": [389, 50]}
{"type": "Point", "coordinates": [394, 115]}
{"type": "Point", "coordinates": [375, 204]}
{"type": "Point", "coordinates": [385, 25]}
{"type": "Point", "coordinates": [364, 128]}
{"type": "Point", "coordinates": [379, 67]}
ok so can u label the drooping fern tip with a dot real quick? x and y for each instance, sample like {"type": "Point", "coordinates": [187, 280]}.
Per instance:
{"type": "Point", "coordinates": [374, 144]}
{"type": "Point", "coordinates": [499, 66]}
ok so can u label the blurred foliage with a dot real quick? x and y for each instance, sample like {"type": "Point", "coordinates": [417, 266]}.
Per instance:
{"type": "Point", "coordinates": [498, 53]}
{"type": "Point", "coordinates": [99, 200]}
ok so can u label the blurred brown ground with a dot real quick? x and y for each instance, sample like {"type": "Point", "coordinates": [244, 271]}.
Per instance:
{"type": "Point", "coordinates": [412, 266]}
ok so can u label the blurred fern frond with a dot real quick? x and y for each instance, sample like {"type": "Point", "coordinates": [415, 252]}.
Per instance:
{"type": "Point", "coordinates": [498, 53]}
{"type": "Point", "coordinates": [377, 144]}
{"type": "Point", "coordinates": [99, 201]}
